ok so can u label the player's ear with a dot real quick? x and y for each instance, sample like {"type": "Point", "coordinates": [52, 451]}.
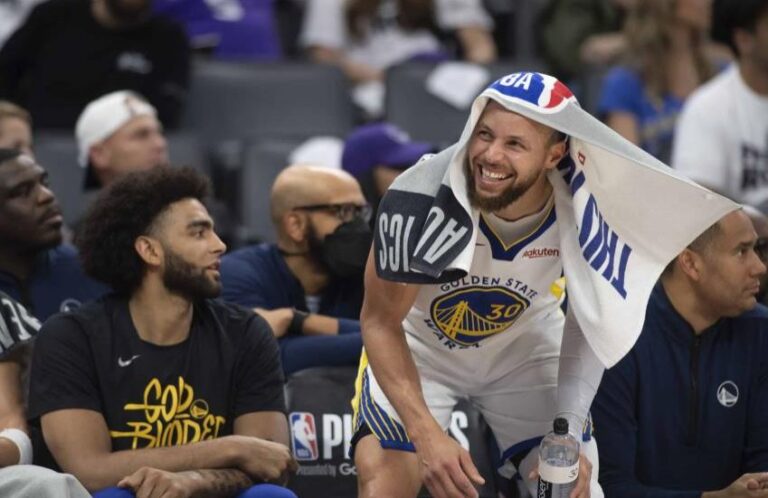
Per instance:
{"type": "Point", "coordinates": [295, 225]}
{"type": "Point", "coordinates": [690, 263]}
{"type": "Point", "coordinates": [555, 153]}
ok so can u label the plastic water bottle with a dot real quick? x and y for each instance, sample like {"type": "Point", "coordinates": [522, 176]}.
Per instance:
{"type": "Point", "coordinates": [558, 462]}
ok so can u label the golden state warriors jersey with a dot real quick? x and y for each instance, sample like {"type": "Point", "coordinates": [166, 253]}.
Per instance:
{"type": "Point", "coordinates": [464, 325]}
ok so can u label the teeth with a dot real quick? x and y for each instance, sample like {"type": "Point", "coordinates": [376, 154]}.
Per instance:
{"type": "Point", "coordinates": [493, 175]}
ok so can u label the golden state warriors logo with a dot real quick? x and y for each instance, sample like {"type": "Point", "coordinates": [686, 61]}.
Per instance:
{"type": "Point", "coordinates": [469, 315]}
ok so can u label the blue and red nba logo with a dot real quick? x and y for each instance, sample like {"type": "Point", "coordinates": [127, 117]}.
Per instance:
{"type": "Point", "coordinates": [540, 90]}
{"type": "Point", "coordinates": [304, 436]}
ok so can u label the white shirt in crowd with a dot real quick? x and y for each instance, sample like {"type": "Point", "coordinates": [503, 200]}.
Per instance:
{"type": "Point", "coordinates": [721, 139]}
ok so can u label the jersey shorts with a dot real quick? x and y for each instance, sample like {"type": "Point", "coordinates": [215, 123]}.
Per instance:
{"type": "Point", "coordinates": [492, 337]}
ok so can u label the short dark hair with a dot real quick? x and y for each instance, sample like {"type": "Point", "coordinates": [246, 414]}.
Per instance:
{"type": "Point", "coordinates": [700, 244]}
{"type": "Point", "coordinates": [731, 15]}
{"type": "Point", "coordinates": [126, 210]}
{"type": "Point", "coordinates": [8, 154]}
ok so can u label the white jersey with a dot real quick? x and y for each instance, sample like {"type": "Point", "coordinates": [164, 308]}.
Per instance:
{"type": "Point", "coordinates": [464, 329]}
{"type": "Point", "coordinates": [722, 138]}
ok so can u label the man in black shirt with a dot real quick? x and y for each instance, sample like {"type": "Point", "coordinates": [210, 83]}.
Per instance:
{"type": "Point", "coordinates": [118, 385]}
{"type": "Point", "coordinates": [69, 52]}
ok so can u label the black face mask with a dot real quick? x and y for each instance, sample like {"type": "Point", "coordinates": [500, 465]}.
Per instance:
{"type": "Point", "coordinates": [345, 251]}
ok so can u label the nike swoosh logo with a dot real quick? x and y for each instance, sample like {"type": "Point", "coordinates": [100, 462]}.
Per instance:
{"type": "Point", "coordinates": [124, 363]}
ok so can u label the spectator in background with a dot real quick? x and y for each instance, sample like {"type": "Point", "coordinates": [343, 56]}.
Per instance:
{"type": "Point", "coordinates": [376, 154]}
{"type": "Point", "coordinates": [119, 133]}
{"type": "Point", "coordinates": [667, 59]}
{"type": "Point", "coordinates": [15, 128]}
{"type": "Point", "coordinates": [116, 134]}
{"type": "Point", "coordinates": [230, 29]}
{"type": "Point", "coordinates": [579, 32]}
{"type": "Point", "coordinates": [69, 52]}
{"type": "Point", "coordinates": [17, 330]}
{"type": "Point", "coordinates": [35, 267]}
{"type": "Point", "coordinates": [760, 224]}
{"type": "Point", "coordinates": [309, 285]}
{"type": "Point", "coordinates": [683, 413]}
{"type": "Point", "coordinates": [722, 138]}
{"type": "Point", "coordinates": [12, 14]}
{"type": "Point", "coordinates": [365, 37]}
{"type": "Point", "coordinates": [103, 376]}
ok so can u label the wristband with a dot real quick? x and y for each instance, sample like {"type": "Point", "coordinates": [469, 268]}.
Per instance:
{"type": "Point", "coordinates": [297, 322]}
{"type": "Point", "coordinates": [22, 442]}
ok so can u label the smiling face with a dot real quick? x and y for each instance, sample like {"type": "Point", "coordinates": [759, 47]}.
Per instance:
{"type": "Point", "coordinates": [507, 158]}
{"type": "Point", "coordinates": [30, 218]}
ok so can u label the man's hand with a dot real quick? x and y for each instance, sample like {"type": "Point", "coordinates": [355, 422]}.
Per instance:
{"type": "Point", "coordinates": [582, 488]}
{"type": "Point", "coordinates": [446, 468]}
{"type": "Point", "coordinates": [279, 319]}
{"type": "Point", "coordinates": [264, 460]}
{"type": "Point", "coordinates": [747, 486]}
{"type": "Point", "coordinates": [154, 483]}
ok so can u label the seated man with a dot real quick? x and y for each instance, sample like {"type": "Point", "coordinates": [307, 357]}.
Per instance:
{"type": "Point", "coordinates": [308, 286]}
{"type": "Point", "coordinates": [119, 133]}
{"type": "Point", "coordinates": [36, 269]}
{"type": "Point", "coordinates": [17, 478]}
{"type": "Point", "coordinates": [683, 414]}
{"type": "Point", "coordinates": [116, 134]}
{"type": "Point", "coordinates": [120, 385]}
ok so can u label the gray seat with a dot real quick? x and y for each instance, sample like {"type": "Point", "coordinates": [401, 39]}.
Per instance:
{"type": "Point", "coordinates": [425, 117]}
{"type": "Point", "coordinates": [262, 161]}
{"type": "Point", "coordinates": [57, 153]}
{"type": "Point", "coordinates": [241, 100]}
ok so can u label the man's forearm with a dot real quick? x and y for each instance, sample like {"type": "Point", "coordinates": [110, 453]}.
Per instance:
{"type": "Point", "coordinates": [99, 471]}
{"type": "Point", "coordinates": [219, 483]}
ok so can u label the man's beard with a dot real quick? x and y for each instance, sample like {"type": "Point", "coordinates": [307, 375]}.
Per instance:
{"type": "Point", "coordinates": [128, 14]}
{"type": "Point", "coordinates": [492, 204]}
{"type": "Point", "coordinates": [187, 281]}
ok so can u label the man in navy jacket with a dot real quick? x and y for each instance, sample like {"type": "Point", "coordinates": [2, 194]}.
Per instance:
{"type": "Point", "coordinates": [683, 415]}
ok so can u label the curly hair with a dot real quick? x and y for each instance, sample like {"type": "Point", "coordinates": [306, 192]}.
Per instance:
{"type": "Point", "coordinates": [126, 210]}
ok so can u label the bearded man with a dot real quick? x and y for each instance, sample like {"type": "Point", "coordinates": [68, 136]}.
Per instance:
{"type": "Point", "coordinates": [158, 389]}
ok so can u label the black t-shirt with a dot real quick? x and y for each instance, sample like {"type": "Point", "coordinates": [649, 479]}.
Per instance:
{"type": "Point", "coordinates": [61, 58]}
{"type": "Point", "coordinates": [152, 396]}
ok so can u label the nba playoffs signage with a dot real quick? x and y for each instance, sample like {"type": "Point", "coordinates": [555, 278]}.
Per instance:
{"type": "Point", "coordinates": [321, 443]}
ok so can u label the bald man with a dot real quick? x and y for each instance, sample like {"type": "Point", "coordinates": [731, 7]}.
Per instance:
{"type": "Point", "coordinates": [308, 285]}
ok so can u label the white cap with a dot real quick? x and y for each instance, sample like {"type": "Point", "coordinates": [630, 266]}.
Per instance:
{"type": "Point", "coordinates": [321, 150]}
{"type": "Point", "coordinates": [104, 116]}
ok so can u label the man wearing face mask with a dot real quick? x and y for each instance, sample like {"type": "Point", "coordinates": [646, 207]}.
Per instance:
{"type": "Point", "coordinates": [308, 285]}
{"type": "Point", "coordinates": [69, 52]}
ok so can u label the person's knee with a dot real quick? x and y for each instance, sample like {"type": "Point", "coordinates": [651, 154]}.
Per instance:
{"type": "Point", "coordinates": [383, 472]}
{"type": "Point", "coordinates": [266, 491]}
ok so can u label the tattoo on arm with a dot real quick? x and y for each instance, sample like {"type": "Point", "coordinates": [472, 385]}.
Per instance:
{"type": "Point", "coordinates": [222, 483]}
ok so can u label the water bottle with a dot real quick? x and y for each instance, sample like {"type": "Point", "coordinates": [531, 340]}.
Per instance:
{"type": "Point", "coordinates": [558, 462]}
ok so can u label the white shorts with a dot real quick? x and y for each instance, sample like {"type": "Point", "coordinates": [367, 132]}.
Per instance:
{"type": "Point", "coordinates": [518, 406]}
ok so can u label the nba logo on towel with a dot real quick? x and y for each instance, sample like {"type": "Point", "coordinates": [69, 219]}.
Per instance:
{"type": "Point", "coordinates": [540, 90]}
{"type": "Point", "coordinates": [304, 436]}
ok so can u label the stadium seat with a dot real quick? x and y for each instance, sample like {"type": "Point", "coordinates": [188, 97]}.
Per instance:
{"type": "Point", "coordinates": [57, 153]}
{"type": "Point", "coordinates": [262, 161]}
{"type": "Point", "coordinates": [425, 117]}
{"type": "Point", "coordinates": [241, 100]}
{"type": "Point", "coordinates": [320, 417]}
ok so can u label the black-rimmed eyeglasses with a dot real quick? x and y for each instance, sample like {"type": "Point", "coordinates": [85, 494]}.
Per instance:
{"type": "Point", "coordinates": [345, 211]}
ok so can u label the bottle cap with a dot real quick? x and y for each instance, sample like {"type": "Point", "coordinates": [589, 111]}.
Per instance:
{"type": "Point", "coordinates": [560, 426]}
